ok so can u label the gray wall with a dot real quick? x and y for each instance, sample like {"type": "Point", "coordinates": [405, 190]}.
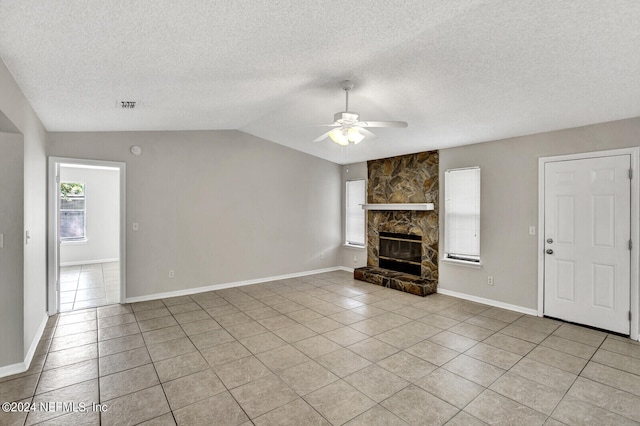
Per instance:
{"type": "Point", "coordinates": [217, 206]}
{"type": "Point", "coordinates": [29, 311]}
{"type": "Point", "coordinates": [509, 205]}
{"type": "Point", "coordinates": [11, 256]}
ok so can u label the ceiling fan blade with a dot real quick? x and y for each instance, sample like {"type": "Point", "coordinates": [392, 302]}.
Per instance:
{"type": "Point", "coordinates": [323, 125]}
{"type": "Point", "coordinates": [324, 136]}
{"type": "Point", "coordinates": [383, 123]}
{"type": "Point", "coordinates": [366, 133]}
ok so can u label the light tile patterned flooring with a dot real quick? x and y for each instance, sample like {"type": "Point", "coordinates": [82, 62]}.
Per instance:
{"type": "Point", "coordinates": [325, 349]}
{"type": "Point", "coordinates": [89, 286]}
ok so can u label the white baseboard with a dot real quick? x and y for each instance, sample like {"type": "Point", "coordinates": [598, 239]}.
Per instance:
{"type": "Point", "coordinates": [489, 302]}
{"type": "Point", "coordinates": [21, 367]}
{"type": "Point", "coordinates": [90, 262]}
{"type": "Point", "coordinates": [214, 287]}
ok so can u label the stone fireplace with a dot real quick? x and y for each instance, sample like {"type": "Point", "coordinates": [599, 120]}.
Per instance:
{"type": "Point", "coordinates": [410, 236]}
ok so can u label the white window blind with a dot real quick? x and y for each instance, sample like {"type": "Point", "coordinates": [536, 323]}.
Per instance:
{"type": "Point", "coordinates": [462, 214]}
{"type": "Point", "coordinates": [354, 220]}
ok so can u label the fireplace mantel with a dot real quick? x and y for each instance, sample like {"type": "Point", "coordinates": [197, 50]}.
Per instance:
{"type": "Point", "coordinates": [398, 206]}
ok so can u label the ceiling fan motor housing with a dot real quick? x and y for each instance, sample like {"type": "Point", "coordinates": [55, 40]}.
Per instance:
{"type": "Point", "coordinates": [346, 117]}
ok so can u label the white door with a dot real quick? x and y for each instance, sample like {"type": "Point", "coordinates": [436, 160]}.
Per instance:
{"type": "Point", "coordinates": [587, 231]}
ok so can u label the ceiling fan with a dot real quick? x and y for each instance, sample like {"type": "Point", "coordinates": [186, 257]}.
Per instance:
{"type": "Point", "coordinates": [347, 125]}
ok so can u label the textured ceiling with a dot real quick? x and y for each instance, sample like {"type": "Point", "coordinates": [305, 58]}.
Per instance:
{"type": "Point", "coordinates": [458, 72]}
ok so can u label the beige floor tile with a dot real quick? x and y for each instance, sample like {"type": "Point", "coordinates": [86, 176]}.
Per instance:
{"type": "Point", "coordinates": [466, 419]}
{"type": "Point", "coordinates": [163, 420]}
{"type": "Point", "coordinates": [75, 317]}
{"type": "Point", "coordinates": [401, 338]}
{"type": "Point", "coordinates": [295, 413]}
{"type": "Point", "coordinates": [128, 381]}
{"type": "Point", "coordinates": [191, 316]}
{"type": "Point", "coordinates": [263, 395]}
{"type": "Point", "coordinates": [523, 333]}
{"type": "Point", "coordinates": [231, 319]}
{"type": "Point", "coordinates": [343, 362]}
{"type": "Point", "coordinates": [494, 356]}
{"type": "Point", "coordinates": [307, 377]}
{"type": "Point", "coordinates": [432, 352]}
{"type": "Point", "coordinates": [19, 388]}
{"type": "Point", "coordinates": [543, 325]}
{"type": "Point", "coordinates": [450, 387]}
{"type": "Point", "coordinates": [471, 331]}
{"type": "Point", "coordinates": [472, 369]}
{"type": "Point", "coordinates": [121, 344]}
{"type": "Point", "coordinates": [211, 338]}
{"type": "Point", "coordinates": [136, 407]}
{"type": "Point", "coordinates": [607, 398]}
{"type": "Point", "coordinates": [377, 416]}
{"type": "Point", "coordinates": [574, 412]}
{"type": "Point", "coordinates": [201, 326]}
{"type": "Point", "coordinates": [183, 365]}
{"type": "Point", "coordinates": [544, 374]}
{"type": "Point", "coordinates": [304, 315]}
{"type": "Point", "coordinates": [111, 310]}
{"type": "Point", "coordinates": [623, 347]}
{"type": "Point", "coordinates": [619, 361]}
{"type": "Point", "coordinates": [527, 392]}
{"type": "Point", "coordinates": [418, 407]}
{"type": "Point", "coordinates": [192, 388]}
{"type": "Point", "coordinates": [156, 312]}
{"type": "Point", "coordinates": [510, 343]}
{"type": "Point", "coordinates": [224, 353]}
{"type": "Point", "coordinates": [241, 371]}
{"type": "Point", "coordinates": [75, 328]}
{"type": "Point", "coordinates": [347, 317]}
{"type": "Point", "coordinates": [171, 348]}
{"type": "Point", "coordinates": [453, 341]}
{"type": "Point", "coordinates": [439, 321]}
{"type": "Point", "coordinates": [613, 377]}
{"type": "Point", "coordinates": [163, 335]}
{"type": "Point", "coordinates": [376, 382]}
{"type": "Point", "coordinates": [262, 342]}
{"type": "Point", "coordinates": [294, 334]}
{"type": "Point", "coordinates": [71, 341]}
{"type": "Point", "coordinates": [501, 314]}
{"type": "Point", "coordinates": [373, 349]}
{"type": "Point", "coordinates": [493, 408]}
{"type": "Point", "coordinates": [569, 346]}
{"type": "Point", "coordinates": [486, 322]}
{"type": "Point", "coordinates": [116, 320]}
{"type": "Point", "coordinates": [322, 325]}
{"type": "Point", "coordinates": [118, 331]}
{"type": "Point", "coordinates": [123, 361]}
{"type": "Point", "coordinates": [339, 402]}
{"type": "Point", "coordinates": [282, 358]}
{"type": "Point", "coordinates": [558, 359]}
{"type": "Point", "coordinates": [345, 336]}
{"type": "Point", "coordinates": [407, 366]}
{"type": "Point", "coordinates": [147, 305]}
{"type": "Point", "coordinates": [71, 356]}
{"type": "Point", "coordinates": [90, 418]}
{"type": "Point", "coordinates": [81, 393]}
{"type": "Point", "coordinates": [580, 334]}
{"type": "Point", "coordinates": [316, 346]}
{"type": "Point", "coordinates": [67, 375]}
{"type": "Point", "coordinates": [157, 323]}
{"type": "Point", "coordinates": [246, 329]}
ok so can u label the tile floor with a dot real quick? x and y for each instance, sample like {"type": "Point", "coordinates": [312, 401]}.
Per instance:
{"type": "Point", "coordinates": [89, 286]}
{"type": "Point", "coordinates": [321, 350]}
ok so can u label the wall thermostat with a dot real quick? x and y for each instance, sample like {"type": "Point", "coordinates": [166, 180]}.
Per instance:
{"type": "Point", "coordinates": [136, 150]}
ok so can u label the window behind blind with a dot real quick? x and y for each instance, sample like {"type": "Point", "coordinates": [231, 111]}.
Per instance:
{"type": "Point", "coordinates": [462, 214]}
{"type": "Point", "coordinates": [354, 219]}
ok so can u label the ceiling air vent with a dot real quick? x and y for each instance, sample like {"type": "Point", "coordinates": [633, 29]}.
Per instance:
{"type": "Point", "coordinates": [126, 104]}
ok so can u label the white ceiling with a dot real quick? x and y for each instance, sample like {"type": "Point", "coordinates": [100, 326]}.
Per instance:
{"type": "Point", "coordinates": [458, 72]}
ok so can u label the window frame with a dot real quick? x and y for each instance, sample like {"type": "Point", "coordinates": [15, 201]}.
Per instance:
{"type": "Point", "coordinates": [84, 238]}
{"type": "Point", "coordinates": [357, 208]}
{"type": "Point", "coordinates": [465, 259]}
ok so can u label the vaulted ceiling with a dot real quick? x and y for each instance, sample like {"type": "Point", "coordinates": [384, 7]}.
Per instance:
{"type": "Point", "coordinates": [459, 72]}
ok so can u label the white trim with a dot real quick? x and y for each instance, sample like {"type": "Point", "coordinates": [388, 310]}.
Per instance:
{"type": "Point", "coordinates": [466, 263]}
{"type": "Point", "coordinates": [634, 153]}
{"type": "Point", "coordinates": [222, 286]}
{"type": "Point", "coordinates": [490, 302]}
{"type": "Point", "coordinates": [399, 206]}
{"type": "Point", "coordinates": [21, 367]}
{"type": "Point", "coordinates": [53, 305]}
{"type": "Point", "coordinates": [353, 246]}
{"type": "Point", "coordinates": [90, 262]}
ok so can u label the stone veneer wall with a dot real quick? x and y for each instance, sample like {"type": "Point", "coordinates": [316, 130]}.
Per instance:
{"type": "Point", "coordinates": [405, 179]}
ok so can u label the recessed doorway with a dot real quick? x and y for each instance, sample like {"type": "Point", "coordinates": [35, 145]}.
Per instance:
{"type": "Point", "coordinates": [86, 234]}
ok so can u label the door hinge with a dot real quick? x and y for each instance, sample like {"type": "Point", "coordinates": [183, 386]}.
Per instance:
{"type": "Point", "coordinates": [630, 173]}
{"type": "Point", "coordinates": [629, 315]}
{"type": "Point", "coordinates": [57, 179]}
{"type": "Point", "coordinates": [630, 245]}
{"type": "Point", "coordinates": [57, 285]}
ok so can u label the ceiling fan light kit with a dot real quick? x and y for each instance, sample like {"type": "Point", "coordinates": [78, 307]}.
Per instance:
{"type": "Point", "coordinates": [348, 128]}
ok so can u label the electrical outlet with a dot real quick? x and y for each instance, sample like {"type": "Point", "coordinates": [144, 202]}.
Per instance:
{"type": "Point", "coordinates": [355, 259]}
{"type": "Point", "coordinates": [490, 280]}
{"type": "Point", "coordinates": [172, 273]}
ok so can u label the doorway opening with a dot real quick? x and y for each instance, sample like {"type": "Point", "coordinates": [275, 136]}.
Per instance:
{"type": "Point", "coordinates": [86, 234]}
{"type": "Point", "coordinates": [588, 219]}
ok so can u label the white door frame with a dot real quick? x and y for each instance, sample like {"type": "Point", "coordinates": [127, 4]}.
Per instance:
{"type": "Point", "coordinates": [634, 153]}
{"type": "Point", "coordinates": [53, 255]}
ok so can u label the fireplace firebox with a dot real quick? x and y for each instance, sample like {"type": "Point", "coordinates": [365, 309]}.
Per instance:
{"type": "Point", "coordinates": [400, 252]}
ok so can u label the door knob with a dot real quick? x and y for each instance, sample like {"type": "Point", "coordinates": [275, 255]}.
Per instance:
{"type": "Point", "coordinates": [550, 240]}
{"type": "Point", "coordinates": [549, 251]}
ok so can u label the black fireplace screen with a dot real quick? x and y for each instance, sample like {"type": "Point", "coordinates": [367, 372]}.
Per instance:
{"type": "Point", "coordinates": [400, 252]}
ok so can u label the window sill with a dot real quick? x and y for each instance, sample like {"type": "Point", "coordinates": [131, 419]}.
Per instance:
{"type": "Point", "coordinates": [75, 242]}
{"type": "Point", "coordinates": [475, 265]}
{"type": "Point", "coordinates": [353, 246]}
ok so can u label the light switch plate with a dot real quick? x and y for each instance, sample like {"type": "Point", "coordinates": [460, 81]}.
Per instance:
{"type": "Point", "coordinates": [532, 230]}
